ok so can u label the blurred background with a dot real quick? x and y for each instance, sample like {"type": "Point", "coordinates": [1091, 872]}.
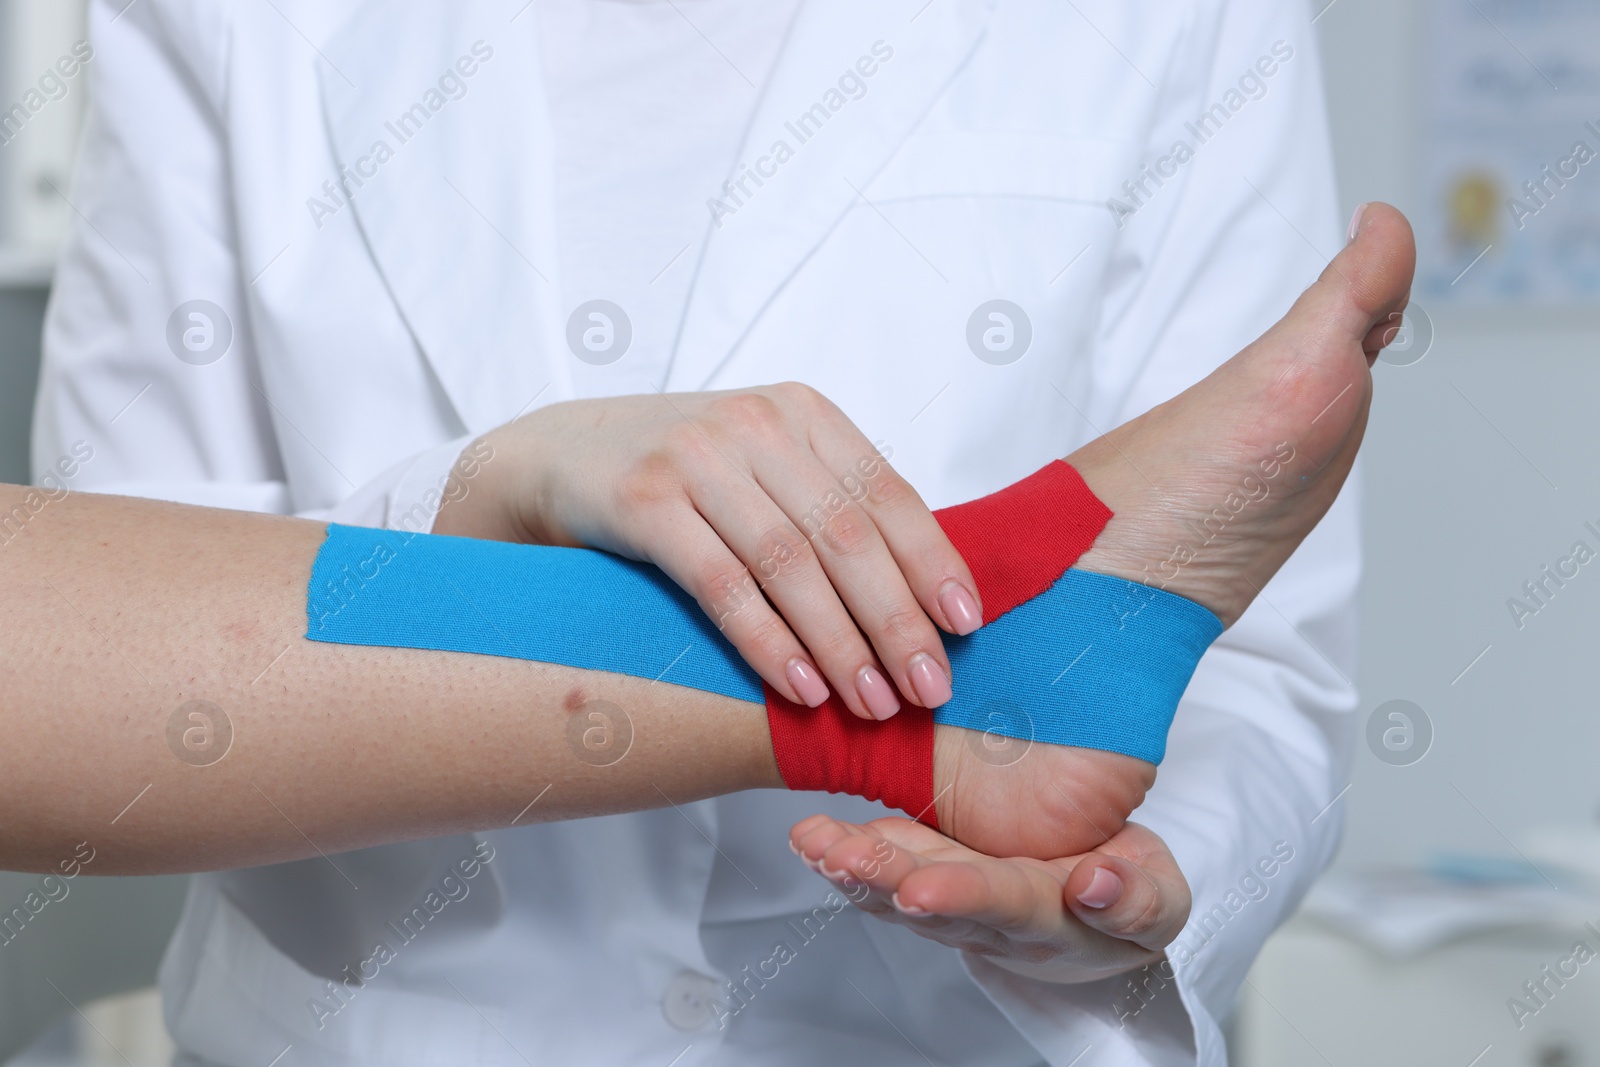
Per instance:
{"type": "Point", "coordinates": [1447, 931]}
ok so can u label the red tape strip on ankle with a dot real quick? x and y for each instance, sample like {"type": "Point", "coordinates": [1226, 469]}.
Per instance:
{"type": "Point", "coordinates": [1017, 542]}
{"type": "Point", "coordinates": [827, 749]}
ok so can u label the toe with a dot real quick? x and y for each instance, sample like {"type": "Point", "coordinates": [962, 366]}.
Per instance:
{"type": "Point", "coordinates": [1370, 279]}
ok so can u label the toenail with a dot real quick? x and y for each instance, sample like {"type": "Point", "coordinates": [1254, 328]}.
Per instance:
{"type": "Point", "coordinates": [1355, 221]}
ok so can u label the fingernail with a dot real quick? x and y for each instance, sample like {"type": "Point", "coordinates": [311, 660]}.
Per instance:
{"type": "Point", "coordinates": [796, 851]}
{"type": "Point", "coordinates": [907, 909]}
{"type": "Point", "coordinates": [960, 608]}
{"type": "Point", "coordinates": [876, 693]}
{"type": "Point", "coordinates": [931, 683]}
{"type": "Point", "coordinates": [832, 876]}
{"type": "Point", "coordinates": [806, 682]}
{"type": "Point", "coordinates": [1104, 889]}
{"type": "Point", "coordinates": [1355, 222]}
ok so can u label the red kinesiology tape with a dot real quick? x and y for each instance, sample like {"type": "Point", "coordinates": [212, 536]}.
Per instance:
{"type": "Point", "coordinates": [1016, 542]}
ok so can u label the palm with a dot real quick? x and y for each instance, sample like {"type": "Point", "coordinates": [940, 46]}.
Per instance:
{"type": "Point", "coordinates": [1021, 912]}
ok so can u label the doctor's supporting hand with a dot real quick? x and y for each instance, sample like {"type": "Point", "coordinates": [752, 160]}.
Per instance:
{"type": "Point", "coordinates": [1075, 919]}
{"type": "Point", "coordinates": [818, 562]}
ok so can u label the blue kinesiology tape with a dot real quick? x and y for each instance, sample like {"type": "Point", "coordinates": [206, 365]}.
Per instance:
{"type": "Point", "coordinates": [1094, 661]}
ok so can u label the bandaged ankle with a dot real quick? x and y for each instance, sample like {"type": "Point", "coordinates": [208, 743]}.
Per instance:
{"type": "Point", "coordinates": [1017, 542]}
{"type": "Point", "coordinates": [1091, 661]}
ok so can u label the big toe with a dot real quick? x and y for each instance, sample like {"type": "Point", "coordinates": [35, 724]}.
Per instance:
{"type": "Point", "coordinates": [1365, 288]}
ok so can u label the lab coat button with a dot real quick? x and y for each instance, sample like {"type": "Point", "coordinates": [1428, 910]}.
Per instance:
{"type": "Point", "coordinates": [688, 1001]}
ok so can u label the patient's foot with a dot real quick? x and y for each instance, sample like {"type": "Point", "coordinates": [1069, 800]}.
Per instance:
{"type": "Point", "coordinates": [1211, 491]}
{"type": "Point", "coordinates": [1233, 473]}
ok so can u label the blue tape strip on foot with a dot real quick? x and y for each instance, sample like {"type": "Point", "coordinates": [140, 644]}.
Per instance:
{"type": "Point", "coordinates": [1095, 661]}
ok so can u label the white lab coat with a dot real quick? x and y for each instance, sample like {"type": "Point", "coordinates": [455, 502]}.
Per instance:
{"type": "Point", "coordinates": [977, 166]}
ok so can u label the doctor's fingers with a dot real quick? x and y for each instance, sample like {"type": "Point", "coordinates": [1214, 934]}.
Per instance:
{"type": "Point", "coordinates": [929, 876]}
{"type": "Point", "coordinates": [871, 864]}
{"type": "Point", "coordinates": [935, 571]}
{"type": "Point", "coordinates": [824, 610]}
{"type": "Point", "coordinates": [953, 895]}
{"type": "Point", "coordinates": [854, 554]}
{"type": "Point", "coordinates": [780, 574]}
{"type": "Point", "coordinates": [694, 556]}
{"type": "Point", "coordinates": [1149, 898]}
{"type": "Point", "coordinates": [1005, 908]}
{"type": "Point", "coordinates": [864, 867]}
{"type": "Point", "coordinates": [1019, 898]}
{"type": "Point", "coordinates": [787, 579]}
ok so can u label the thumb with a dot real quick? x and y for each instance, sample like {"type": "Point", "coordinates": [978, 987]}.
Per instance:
{"type": "Point", "coordinates": [1144, 900]}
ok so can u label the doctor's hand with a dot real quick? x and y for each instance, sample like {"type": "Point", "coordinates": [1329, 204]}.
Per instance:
{"type": "Point", "coordinates": [818, 562]}
{"type": "Point", "coordinates": [1076, 919]}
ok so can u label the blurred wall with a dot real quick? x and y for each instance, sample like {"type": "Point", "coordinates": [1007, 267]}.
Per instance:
{"type": "Point", "coordinates": [1482, 465]}
{"type": "Point", "coordinates": [21, 313]}
{"type": "Point", "coordinates": [35, 165]}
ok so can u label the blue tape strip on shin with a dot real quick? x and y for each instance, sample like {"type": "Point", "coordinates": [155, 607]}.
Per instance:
{"type": "Point", "coordinates": [1095, 661]}
{"type": "Point", "coordinates": [554, 605]}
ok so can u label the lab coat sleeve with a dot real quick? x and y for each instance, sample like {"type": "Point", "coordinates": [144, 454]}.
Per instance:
{"type": "Point", "coordinates": [154, 231]}
{"type": "Point", "coordinates": [1259, 749]}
